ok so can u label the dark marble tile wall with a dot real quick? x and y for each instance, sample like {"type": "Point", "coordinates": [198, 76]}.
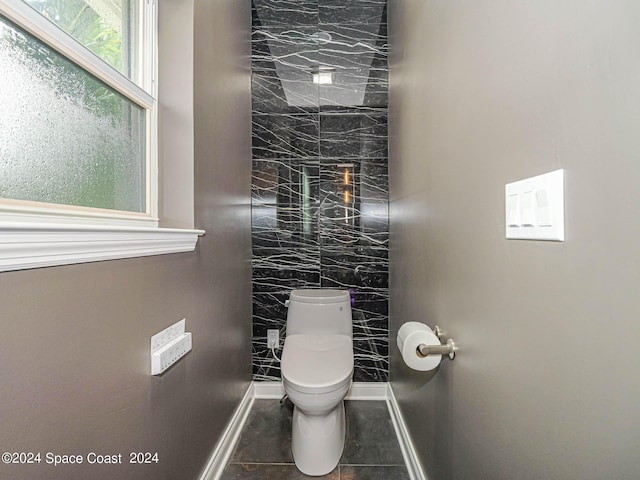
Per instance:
{"type": "Point", "coordinates": [320, 182]}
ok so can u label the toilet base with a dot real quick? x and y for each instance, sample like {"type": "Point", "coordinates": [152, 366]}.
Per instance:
{"type": "Point", "coordinates": [317, 441]}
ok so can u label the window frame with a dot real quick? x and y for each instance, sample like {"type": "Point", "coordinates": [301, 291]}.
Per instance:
{"type": "Point", "coordinates": [35, 234]}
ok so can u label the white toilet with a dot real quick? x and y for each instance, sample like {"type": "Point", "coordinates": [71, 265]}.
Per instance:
{"type": "Point", "coordinates": [317, 367]}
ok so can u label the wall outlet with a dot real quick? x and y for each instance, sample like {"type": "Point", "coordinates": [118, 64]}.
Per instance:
{"type": "Point", "coordinates": [273, 338]}
{"type": "Point", "coordinates": [163, 338]}
{"type": "Point", "coordinates": [170, 353]}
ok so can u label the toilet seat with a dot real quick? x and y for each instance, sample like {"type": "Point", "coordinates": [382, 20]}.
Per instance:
{"type": "Point", "coordinates": [316, 364]}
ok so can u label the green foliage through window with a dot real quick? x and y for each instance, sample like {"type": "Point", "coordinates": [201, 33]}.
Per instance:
{"type": "Point", "coordinates": [106, 27]}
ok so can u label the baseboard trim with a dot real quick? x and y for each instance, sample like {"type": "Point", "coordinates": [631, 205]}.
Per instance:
{"type": "Point", "coordinates": [368, 391]}
{"type": "Point", "coordinates": [223, 449]}
{"type": "Point", "coordinates": [268, 390]}
{"type": "Point", "coordinates": [406, 445]}
{"type": "Point", "coordinates": [358, 391]}
{"type": "Point", "coordinates": [274, 390]}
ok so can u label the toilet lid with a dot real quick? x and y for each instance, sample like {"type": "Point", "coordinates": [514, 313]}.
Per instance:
{"type": "Point", "coordinates": [317, 361]}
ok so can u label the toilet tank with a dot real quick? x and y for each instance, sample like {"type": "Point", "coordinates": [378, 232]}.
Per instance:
{"type": "Point", "coordinates": [319, 311]}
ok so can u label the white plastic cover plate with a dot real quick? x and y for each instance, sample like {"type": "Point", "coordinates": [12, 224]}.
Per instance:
{"type": "Point", "coordinates": [534, 208]}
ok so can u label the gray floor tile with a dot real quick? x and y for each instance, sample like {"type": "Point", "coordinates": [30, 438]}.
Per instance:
{"type": "Point", "coordinates": [373, 473]}
{"type": "Point", "coordinates": [247, 471]}
{"type": "Point", "coordinates": [371, 450]}
{"type": "Point", "coordinates": [371, 438]}
{"type": "Point", "coordinates": [266, 436]}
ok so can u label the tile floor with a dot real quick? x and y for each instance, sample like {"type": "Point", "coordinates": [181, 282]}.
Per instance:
{"type": "Point", "coordinates": [371, 450]}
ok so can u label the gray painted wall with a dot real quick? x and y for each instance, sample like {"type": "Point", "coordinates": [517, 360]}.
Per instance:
{"type": "Point", "coordinates": [74, 348]}
{"type": "Point", "coordinates": [546, 384]}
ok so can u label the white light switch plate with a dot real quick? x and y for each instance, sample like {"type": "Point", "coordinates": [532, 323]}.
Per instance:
{"type": "Point", "coordinates": [534, 208]}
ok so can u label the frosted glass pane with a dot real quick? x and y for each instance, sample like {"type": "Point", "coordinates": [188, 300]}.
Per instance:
{"type": "Point", "coordinates": [65, 136]}
{"type": "Point", "coordinates": [109, 28]}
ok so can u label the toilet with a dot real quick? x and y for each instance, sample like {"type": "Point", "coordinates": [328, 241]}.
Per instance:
{"type": "Point", "coordinates": [317, 368]}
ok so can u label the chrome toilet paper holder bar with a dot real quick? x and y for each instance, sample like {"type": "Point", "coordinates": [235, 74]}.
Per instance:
{"type": "Point", "coordinates": [450, 348]}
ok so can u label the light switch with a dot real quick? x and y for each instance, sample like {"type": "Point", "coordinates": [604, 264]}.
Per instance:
{"type": "Point", "coordinates": [534, 208]}
{"type": "Point", "coordinates": [513, 210]}
{"type": "Point", "coordinates": [528, 213]}
{"type": "Point", "coordinates": [543, 209]}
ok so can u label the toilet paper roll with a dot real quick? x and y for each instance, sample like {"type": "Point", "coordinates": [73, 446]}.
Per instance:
{"type": "Point", "coordinates": [410, 336]}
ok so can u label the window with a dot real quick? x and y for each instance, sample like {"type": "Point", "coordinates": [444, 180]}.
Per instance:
{"type": "Point", "coordinates": [109, 28]}
{"type": "Point", "coordinates": [78, 133]}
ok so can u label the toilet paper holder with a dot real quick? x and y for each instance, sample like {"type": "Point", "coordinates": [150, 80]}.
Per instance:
{"type": "Point", "coordinates": [449, 348]}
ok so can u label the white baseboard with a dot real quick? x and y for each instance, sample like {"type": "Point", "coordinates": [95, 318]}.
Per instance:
{"type": "Point", "coordinates": [274, 390]}
{"type": "Point", "coordinates": [406, 445]}
{"type": "Point", "coordinates": [268, 390]}
{"type": "Point", "coordinates": [223, 449]}
{"type": "Point", "coordinates": [358, 391]}
{"type": "Point", "coordinates": [368, 391]}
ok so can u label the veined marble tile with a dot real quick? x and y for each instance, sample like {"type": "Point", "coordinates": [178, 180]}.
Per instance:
{"type": "Point", "coordinates": [304, 259]}
{"type": "Point", "coordinates": [335, 234]}
{"type": "Point", "coordinates": [285, 46]}
{"type": "Point", "coordinates": [293, 91]}
{"type": "Point", "coordinates": [367, 179]}
{"type": "Point", "coordinates": [285, 12]}
{"type": "Point", "coordinates": [354, 135]}
{"type": "Point", "coordinates": [283, 61]}
{"type": "Point", "coordinates": [357, 56]}
{"type": "Point", "coordinates": [345, 276]}
{"type": "Point", "coordinates": [354, 90]}
{"type": "Point", "coordinates": [362, 272]}
{"type": "Point", "coordinates": [265, 367]}
{"type": "Point", "coordinates": [284, 227]}
{"type": "Point", "coordinates": [352, 46]}
{"type": "Point", "coordinates": [371, 331]}
{"type": "Point", "coordinates": [363, 220]}
{"type": "Point", "coordinates": [310, 228]}
{"type": "Point", "coordinates": [277, 270]}
{"type": "Point", "coordinates": [286, 183]}
{"type": "Point", "coordinates": [285, 136]}
{"type": "Point", "coordinates": [373, 327]}
{"type": "Point", "coordinates": [371, 305]}
{"type": "Point", "coordinates": [352, 11]}
{"type": "Point", "coordinates": [374, 181]}
{"type": "Point", "coordinates": [286, 91]}
{"type": "Point", "coordinates": [269, 312]}
{"type": "Point", "coordinates": [371, 360]}
{"type": "Point", "coordinates": [369, 257]}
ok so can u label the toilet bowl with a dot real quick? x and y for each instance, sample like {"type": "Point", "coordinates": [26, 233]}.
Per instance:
{"type": "Point", "coordinates": [317, 368]}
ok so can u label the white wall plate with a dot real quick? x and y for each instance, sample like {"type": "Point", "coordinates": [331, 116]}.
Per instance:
{"type": "Point", "coordinates": [534, 208]}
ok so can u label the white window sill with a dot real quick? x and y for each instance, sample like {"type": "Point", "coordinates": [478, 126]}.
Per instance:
{"type": "Point", "coordinates": [45, 245]}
